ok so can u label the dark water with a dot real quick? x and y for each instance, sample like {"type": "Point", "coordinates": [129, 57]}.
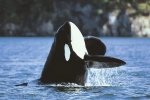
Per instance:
{"type": "Point", "coordinates": [22, 60]}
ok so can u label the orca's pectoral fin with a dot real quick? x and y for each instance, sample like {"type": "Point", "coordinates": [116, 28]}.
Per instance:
{"type": "Point", "coordinates": [100, 61]}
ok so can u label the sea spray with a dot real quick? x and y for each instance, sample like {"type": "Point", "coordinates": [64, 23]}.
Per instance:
{"type": "Point", "coordinates": [102, 77]}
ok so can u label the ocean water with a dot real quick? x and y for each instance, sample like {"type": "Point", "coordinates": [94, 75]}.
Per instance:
{"type": "Point", "coordinates": [22, 60]}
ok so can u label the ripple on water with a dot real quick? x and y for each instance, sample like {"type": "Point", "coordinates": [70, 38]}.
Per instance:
{"type": "Point", "coordinates": [22, 60]}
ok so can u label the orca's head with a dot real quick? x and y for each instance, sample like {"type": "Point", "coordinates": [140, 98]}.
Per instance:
{"type": "Point", "coordinates": [72, 39]}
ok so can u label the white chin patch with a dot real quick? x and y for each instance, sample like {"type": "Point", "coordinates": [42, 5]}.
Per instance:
{"type": "Point", "coordinates": [67, 52]}
{"type": "Point", "coordinates": [77, 41]}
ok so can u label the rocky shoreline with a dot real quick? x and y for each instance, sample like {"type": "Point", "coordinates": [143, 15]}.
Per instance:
{"type": "Point", "coordinates": [39, 18]}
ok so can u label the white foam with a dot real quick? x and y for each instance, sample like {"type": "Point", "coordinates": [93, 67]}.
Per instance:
{"type": "Point", "coordinates": [102, 77]}
{"type": "Point", "coordinates": [77, 41]}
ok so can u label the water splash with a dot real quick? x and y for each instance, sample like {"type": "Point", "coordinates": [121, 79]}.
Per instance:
{"type": "Point", "coordinates": [96, 77]}
{"type": "Point", "coordinates": [65, 85]}
{"type": "Point", "coordinates": [102, 77]}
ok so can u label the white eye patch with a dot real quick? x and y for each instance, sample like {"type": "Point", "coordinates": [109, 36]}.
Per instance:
{"type": "Point", "coordinates": [67, 52]}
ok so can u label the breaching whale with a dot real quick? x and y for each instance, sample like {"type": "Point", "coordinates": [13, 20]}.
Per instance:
{"type": "Point", "coordinates": [71, 55]}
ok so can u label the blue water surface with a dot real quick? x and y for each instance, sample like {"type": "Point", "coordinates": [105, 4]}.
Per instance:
{"type": "Point", "coordinates": [22, 60]}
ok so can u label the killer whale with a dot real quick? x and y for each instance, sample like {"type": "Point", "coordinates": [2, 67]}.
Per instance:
{"type": "Point", "coordinates": [71, 54]}
{"type": "Point", "coordinates": [57, 68]}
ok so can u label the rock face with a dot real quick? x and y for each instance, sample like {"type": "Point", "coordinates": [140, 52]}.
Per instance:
{"type": "Point", "coordinates": [141, 30]}
{"type": "Point", "coordinates": [43, 17]}
{"type": "Point", "coordinates": [81, 15]}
